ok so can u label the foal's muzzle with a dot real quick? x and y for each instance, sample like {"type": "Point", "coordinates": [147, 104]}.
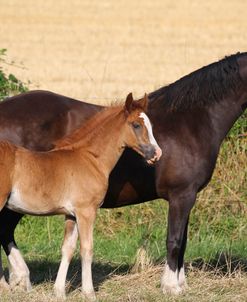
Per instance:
{"type": "Point", "coordinates": [152, 153]}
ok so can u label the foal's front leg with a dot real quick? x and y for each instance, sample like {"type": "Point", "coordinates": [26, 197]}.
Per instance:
{"type": "Point", "coordinates": [85, 220]}
{"type": "Point", "coordinates": [68, 248]}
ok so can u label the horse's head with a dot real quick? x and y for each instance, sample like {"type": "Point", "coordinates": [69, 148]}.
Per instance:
{"type": "Point", "coordinates": [139, 134]}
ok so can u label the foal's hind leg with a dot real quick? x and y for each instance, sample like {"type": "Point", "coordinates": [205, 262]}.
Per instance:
{"type": "Point", "coordinates": [69, 245]}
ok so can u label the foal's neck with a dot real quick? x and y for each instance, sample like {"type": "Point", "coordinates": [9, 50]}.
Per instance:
{"type": "Point", "coordinates": [101, 137]}
{"type": "Point", "coordinates": [107, 145]}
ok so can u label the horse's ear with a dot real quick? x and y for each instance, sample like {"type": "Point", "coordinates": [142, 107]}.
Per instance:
{"type": "Point", "coordinates": [143, 103]}
{"type": "Point", "coordinates": [129, 103]}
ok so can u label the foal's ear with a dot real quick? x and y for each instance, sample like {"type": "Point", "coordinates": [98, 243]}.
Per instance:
{"type": "Point", "coordinates": [143, 103]}
{"type": "Point", "coordinates": [129, 103]}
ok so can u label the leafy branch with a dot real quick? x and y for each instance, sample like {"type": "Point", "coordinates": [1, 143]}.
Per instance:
{"type": "Point", "coordinates": [9, 84]}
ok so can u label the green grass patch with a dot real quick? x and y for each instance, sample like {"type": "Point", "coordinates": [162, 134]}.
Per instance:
{"type": "Point", "coordinates": [218, 223]}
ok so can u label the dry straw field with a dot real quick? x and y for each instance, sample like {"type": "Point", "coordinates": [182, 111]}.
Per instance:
{"type": "Point", "coordinates": [99, 51]}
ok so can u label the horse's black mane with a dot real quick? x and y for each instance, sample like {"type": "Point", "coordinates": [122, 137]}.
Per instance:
{"type": "Point", "coordinates": [202, 87]}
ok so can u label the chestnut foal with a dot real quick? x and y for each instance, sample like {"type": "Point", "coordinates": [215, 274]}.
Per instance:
{"type": "Point", "coordinates": [73, 179]}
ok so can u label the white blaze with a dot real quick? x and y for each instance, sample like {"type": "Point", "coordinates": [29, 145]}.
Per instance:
{"type": "Point", "coordinates": [149, 128]}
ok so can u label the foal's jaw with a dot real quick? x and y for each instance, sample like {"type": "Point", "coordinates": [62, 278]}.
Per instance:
{"type": "Point", "coordinates": [150, 152]}
{"type": "Point", "coordinates": [156, 157]}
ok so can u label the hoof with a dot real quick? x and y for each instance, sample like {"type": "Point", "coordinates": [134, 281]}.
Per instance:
{"type": "Point", "coordinates": [4, 286]}
{"type": "Point", "coordinates": [89, 297]}
{"type": "Point", "coordinates": [59, 293]}
{"type": "Point", "coordinates": [20, 284]}
{"type": "Point", "coordinates": [172, 290]}
{"type": "Point", "coordinates": [184, 286]}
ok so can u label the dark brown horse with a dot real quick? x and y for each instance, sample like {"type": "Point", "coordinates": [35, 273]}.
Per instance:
{"type": "Point", "coordinates": [190, 119]}
{"type": "Point", "coordinates": [73, 179]}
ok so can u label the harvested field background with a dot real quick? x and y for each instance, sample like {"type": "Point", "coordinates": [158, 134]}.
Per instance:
{"type": "Point", "coordinates": [101, 50]}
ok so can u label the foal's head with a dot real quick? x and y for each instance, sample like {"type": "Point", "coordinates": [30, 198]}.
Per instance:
{"type": "Point", "coordinates": [139, 134]}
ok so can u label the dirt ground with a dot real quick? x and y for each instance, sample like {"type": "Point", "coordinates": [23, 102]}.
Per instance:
{"type": "Point", "coordinates": [100, 50]}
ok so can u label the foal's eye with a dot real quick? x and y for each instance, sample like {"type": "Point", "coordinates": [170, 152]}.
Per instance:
{"type": "Point", "coordinates": [136, 125]}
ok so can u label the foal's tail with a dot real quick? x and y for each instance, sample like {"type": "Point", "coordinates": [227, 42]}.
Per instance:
{"type": "Point", "coordinates": [7, 164]}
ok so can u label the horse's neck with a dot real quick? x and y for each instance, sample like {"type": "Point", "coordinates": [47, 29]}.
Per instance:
{"type": "Point", "coordinates": [223, 115]}
{"type": "Point", "coordinates": [243, 74]}
{"type": "Point", "coordinates": [227, 111]}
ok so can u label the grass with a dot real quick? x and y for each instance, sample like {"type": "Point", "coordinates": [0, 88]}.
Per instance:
{"type": "Point", "coordinates": [130, 244]}
{"type": "Point", "coordinates": [205, 286]}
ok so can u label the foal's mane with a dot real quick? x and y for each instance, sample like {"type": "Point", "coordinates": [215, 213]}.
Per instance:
{"type": "Point", "coordinates": [89, 130]}
{"type": "Point", "coordinates": [203, 87]}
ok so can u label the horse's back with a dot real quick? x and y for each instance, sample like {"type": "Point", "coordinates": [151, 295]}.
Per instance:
{"type": "Point", "coordinates": [38, 118]}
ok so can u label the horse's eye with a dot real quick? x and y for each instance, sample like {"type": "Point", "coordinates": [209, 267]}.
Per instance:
{"type": "Point", "coordinates": [136, 125]}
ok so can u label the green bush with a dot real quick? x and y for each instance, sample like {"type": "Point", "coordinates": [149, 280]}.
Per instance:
{"type": "Point", "coordinates": [9, 84]}
{"type": "Point", "coordinates": [240, 127]}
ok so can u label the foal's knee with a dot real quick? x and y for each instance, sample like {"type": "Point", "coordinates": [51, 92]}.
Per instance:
{"type": "Point", "coordinates": [70, 239]}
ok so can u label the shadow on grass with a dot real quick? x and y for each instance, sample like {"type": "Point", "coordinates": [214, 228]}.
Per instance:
{"type": "Point", "coordinates": [46, 271]}
{"type": "Point", "coordinates": [42, 271]}
{"type": "Point", "coordinates": [222, 263]}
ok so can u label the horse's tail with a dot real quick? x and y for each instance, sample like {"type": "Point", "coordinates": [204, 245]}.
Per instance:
{"type": "Point", "coordinates": [7, 163]}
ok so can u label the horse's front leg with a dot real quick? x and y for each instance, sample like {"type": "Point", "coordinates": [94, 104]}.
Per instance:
{"type": "Point", "coordinates": [85, 220]}
{"type": "Point", "coordinates": [173, 278]}
{"type": "Point", "coordinates": [3, 284]}
{"type": "Point", "coordinates": [68, 248]}
{"type": "Point", "coordinates": [181, 275]}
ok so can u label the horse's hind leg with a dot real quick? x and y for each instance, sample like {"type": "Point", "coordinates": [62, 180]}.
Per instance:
{"type": "Point", "coordinates": [19, 273]}
{"type": "Point", "coordinates": [3, 284]}
{"type": "Point", "coordinates": [68, 248]}
{"type": "Point", "coordinates": [19, 276]}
